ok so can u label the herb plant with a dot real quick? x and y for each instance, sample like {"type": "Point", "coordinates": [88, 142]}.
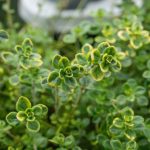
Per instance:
{"type": "Point", "coordinates": [87, 89]}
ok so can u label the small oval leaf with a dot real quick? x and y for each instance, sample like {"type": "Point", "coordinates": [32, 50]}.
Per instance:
{"type": "Point", "coordinates": [33, 126]}
{"type": "Point", "coordinates": [23, 103]}
{"type": "Point", "coordinates": [12, 119]}
{"type": "Point", "coordinates": [3, 35]}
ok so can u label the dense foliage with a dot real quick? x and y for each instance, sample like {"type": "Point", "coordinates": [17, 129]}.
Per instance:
{"type": "Point", "coordinates": [87, 89]}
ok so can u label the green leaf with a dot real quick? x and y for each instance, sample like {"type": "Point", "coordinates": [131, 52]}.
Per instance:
{"type": "Point", "coordinates": [121, 100]}
{"type": "Point", "coordinates": [106, 144]}
{"type": "Point", "coordinates": [84, 81]}
{"type": "Point", "coordinates": [53, 79]}
{"type": "Point", "coordinates": [126, 62]}
{"type": "Point", "coordinates": [69, 140]}
{"type": "Point", "coordinates": [136, 43]}
{"type": "Point", "coordinates": [128, 90]}
{"type": "Point", "coordinates": [131, 145]}
{"type": "Point", "coordinates": [136, 26]}
{"type": "Point", "coordinates": [35, 63]}
{"type": "Point", "coordinates": [7, 56]}
{"type": "Point", "coordinates": [64, 62]}
{"type": "Point", "coordinates": [104, 66]}
{"type": "Point", "coordinates": [86, 49]}
{"type": "Point", "coordinates": [77, 70]}
{"type": "Point", "coordinates": [23, 103]}
{"type": "Point", "coordinates": [30, 114]}
{"type": "Point", "coordinates": [96, 73]}
{"type": "Point", "coordinates": [25, 63]}
{"type": "Point", "coordinates": [111, 50]}
{"type": "Point", "coordinates": [116, 144]}
{"type": "Point", "coordinates": [146, 74]}
{"type": "Point", "coordinates": [69, 38]}
{"type": "Point", "coordinates": [123, 35]}
{"type": "Point", "coordinates": [33, 126]}
{"type": "Point", "coordinates": [121, 55]}
{"type": "Point", "coordinates": [35, 56]}
{"type": "Point", "coordinates": [109, 59]}
{"type": "Point", "coordinates": [101, 137]}
{"type": "Point", "coordinates": [56, 60]}
{"type": "Point", "coordinates": [14, 80]}
{"type": "Point", "coordinates": [81, 59]}
{"type": "Point", "coordinates": [94, 57]}
{"type": "Point", "coordinates": [139, 122]}
{"type": "Point", "coordinates": [148, 64]}
{"type": "Point", "coordinates": [128, 114]}
{"type": "Point", "coordinates": [27, 51]}
{"type": "Point", "coordinates": [140, 90]}
{"type": "Point", "coordinates": [27, 42]}
{"type": "Point", "coordinates": [146, 132]}
{"type": "Point", "coordinates": [21, 116]}
{"type": "Point", "coordinates": [11, 148]}
{"type": "Point", "coordinates": [67, 72]}
{"type": "Point", "coordinates": [107, 30]}
{"type": "Point", "coordinates": [130, 134]}
{"type": "Point", "coordinates": [116, 67]}
{"type": "Point", "coordinates": [117, 122]}
{"type": "Point", "coordinates": [94, 29]}
{"type": "Point", "coordinates": [43, 107]}
{"type": "Point", "coordinates": [37, 110]}
{"type": "Point", "coordinates": [40, 141]}
{"type": "Point", "coordinates": [3, 35]}
{"type": "Point", "coordinates": [62, 73]}
{"type": "Point", "coordinates": [116, 131]}
{"type": "Point", "coordinates": [70, 81]}
{"type": "Point", "coordinates": [19, 49]}
{"type": "Point", "coordinates": [12, 119]}
{"type": "Point", "coordinates": [2, 124]}
{"type": "Point", "coordinates": [58, 139]}
{"type": "Point", "coordinates": [25, 78]}
{"type": "Point", "coordinates": [102, 46]}
{"type": "Point", "coordinates": [142, 101]}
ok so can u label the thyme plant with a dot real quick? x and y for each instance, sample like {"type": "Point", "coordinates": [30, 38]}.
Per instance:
{"type": "Point", "coordinates": [87, 89]}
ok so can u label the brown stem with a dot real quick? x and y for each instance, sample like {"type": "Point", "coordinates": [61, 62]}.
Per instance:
{"type": "Point", "coordinates": [10, 134]}
{"type": "Point", "coordinates": [82, 91]}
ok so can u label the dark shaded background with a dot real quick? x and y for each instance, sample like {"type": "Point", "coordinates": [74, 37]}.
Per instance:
{"type": "Point", "coordinates": [3, 14]}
